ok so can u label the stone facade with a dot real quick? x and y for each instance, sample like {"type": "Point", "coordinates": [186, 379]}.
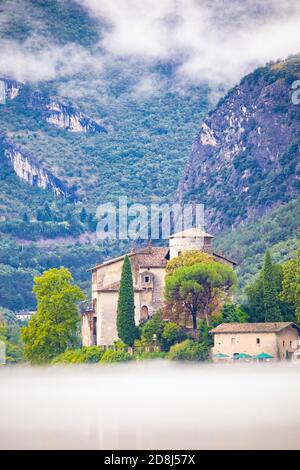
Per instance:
{"type": "Point", "coordinates": [148, 270]}
{"type": "Point", "coordinates": [279, 340]}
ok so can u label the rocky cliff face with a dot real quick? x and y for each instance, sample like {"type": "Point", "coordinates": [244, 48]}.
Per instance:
{"type": "Point", "coordinates": [52, 110]}
{"type": "Point", "coordinates": [245, 160]}
{"type": "Point", "coordinates": [9, 89]}
{"type": "Point", "coordinates": [29, 170]}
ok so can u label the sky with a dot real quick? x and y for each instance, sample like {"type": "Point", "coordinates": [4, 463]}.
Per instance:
{"type": "Point", "coordinates": [214, 41]}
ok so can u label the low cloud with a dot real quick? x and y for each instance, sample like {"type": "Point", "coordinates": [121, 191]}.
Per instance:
{"type": "Point", "coordinates": [215, 41]}
{"type": "Point", "coordinates": [25, 62]}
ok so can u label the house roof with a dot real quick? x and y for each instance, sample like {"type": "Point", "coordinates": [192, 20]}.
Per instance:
{"type": "Point", "coordinates": [156, 257]}
{"type": "Point", "coordinates": [192, 232]}
{"type": "Point", "coordinates": [225, 328]}
{"type": "Point", "coordinates": [148, 257]}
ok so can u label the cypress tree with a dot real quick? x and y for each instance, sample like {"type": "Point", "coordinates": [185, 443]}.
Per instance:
{"type": "Point", "coordinates": [127, 331]}
{"type": "Point", "coordinates": [270, 295]}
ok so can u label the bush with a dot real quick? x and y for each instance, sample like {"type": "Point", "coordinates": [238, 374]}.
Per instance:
{"type": "Point", "coordinates": [120, 345]}
{"type": "Point", "coordinates": [154, 326]}
{"type": "Point", "coordinates": [149, 355]}
{"type": "Point", "coordinates": [71, 356]}
{"type": "Point", "coordinates": [188, 350]}
{"type": "Point", "coordinates": [93, 354]}
{"type": "Point", "coordinates": [111, 356]}
{"type": "Point", "coordinates": [172, 333]}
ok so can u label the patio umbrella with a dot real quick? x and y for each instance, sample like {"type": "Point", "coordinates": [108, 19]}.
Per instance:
{"type": "Point", "coordinates": [221, 355]}
{"type": "Point", "coordinates": [264, 356]}
{"type": "Point", "coordinates": [242, 356]}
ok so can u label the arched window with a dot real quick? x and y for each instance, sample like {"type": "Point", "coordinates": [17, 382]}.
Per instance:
{"type": "Point", "coordinates": [144, 313]}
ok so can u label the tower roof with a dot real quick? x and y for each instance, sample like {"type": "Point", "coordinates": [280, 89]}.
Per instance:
{"type": "Point", "coordinates": [193, 232]}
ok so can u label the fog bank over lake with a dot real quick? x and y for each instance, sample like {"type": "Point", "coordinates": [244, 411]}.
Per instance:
{"type": "Point", "coordinates": [151, 405]}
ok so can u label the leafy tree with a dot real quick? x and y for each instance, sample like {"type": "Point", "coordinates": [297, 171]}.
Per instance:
{"type": "Point", "coordinates": [204, 336]}
{"type": "Point", "coordinates": [172, 333]}
{"type": "Point", "coordinates": [199, 286]}
{"type": "Point", "coordinates": [111, 356]}
{"type": "Point", "coordinates": [254, 305]}
{"type": "Point", "coordinates": [126, 328]}
{"type": "Point", "coordinates": [270, 297]}
{"type": "Point", "coordinates": [230, 313]}
{"type": "Point", "coordinates": [53, 328]}
{"type": "Point", "coordinates": [189, 350]}
{"type": "Point", "coordinates": [188, 258]}
{"type": "Point", "coordinates": [291, 283]}
{"type": "Point", "coordinates": [10, 334]}
{"type": "Point", "coordinates": [153, 328]}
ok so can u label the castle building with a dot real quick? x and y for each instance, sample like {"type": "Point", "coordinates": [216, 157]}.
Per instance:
{"type": "Point", "coordinates": [98, 319]}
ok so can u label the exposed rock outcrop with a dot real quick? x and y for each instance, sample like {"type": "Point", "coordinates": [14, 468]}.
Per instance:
{"type": "Point", "coordinates": [246, 159]}
{"type": "Point", "coordinates": [51, 109]}
{"type": "Point", "coordinates": [29, 170]}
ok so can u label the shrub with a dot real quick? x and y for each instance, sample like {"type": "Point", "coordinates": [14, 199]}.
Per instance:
{"type": "Point", "coordinates": [172, 333]}
{"type": "Point", "coordinates": [188, 350]}
{"type": "Point", "coordinates": [93, 354]}
{"type": "Point", "coordinates": [111, 356]}
{"type": "Point", "coordinates": [71, 356]}
{"type": "Point", "coordinates": [154, 326]}
{"type": "Point", "coordinates": [120, 345]}
{"type": "Point", "coordinates": [150, 355]}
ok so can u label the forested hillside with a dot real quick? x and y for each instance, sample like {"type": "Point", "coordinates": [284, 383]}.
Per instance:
{"type": "Point", "coordinates": [246, 159]}
{"type": "Point", "coordinates": [78, 129]}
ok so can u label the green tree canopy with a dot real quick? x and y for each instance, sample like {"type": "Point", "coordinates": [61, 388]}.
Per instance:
{"type": "Point", "coordinates": [255, 305]}
{"type": "Point", "coordinates": [188, 258]}
{"type": "Point", "coordinates": [198, 286]}
{"type": "Point", "coordinates": [291, 283]}
{"type": "Point", "coordinates": [230, 313]}
{"type": "Point", "coordinates": [126, 328]}
{"type": "Point", "coordinates": [270, 295]}
{"type": "Point", "coordinates": [53, 328]}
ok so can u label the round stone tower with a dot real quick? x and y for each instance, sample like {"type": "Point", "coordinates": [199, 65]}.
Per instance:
{"type": "Point", "coordinates": [193, 239]}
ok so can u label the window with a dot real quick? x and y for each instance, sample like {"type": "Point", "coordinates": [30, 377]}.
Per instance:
{"type": "Point", "coordinates": [232, 340]}
{"type": "Point", "coordinates": [257, 340]}
{"type": "Point", "coordinates": [283, 343]}
{"type": "Point", "coordinates": [147, 279]}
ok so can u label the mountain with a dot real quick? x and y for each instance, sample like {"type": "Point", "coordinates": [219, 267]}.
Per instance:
{"type": "Point", "coordinates": [28, 169]}
{"type": "Point", "coordinates": [245, 160]}
{"type": "Point", "coordinates": [50, 109]}
{"type": "Point", "coordinates": [75, 133]}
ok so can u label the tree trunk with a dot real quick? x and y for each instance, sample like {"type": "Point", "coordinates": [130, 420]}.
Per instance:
{"type": "Point", "coordinates": [206, 315]}
{"type": "Point", "coordinates": [194, 317]}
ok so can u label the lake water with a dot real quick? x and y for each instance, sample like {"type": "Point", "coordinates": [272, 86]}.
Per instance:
{"type": "Point", "coordinates": [151, 405]}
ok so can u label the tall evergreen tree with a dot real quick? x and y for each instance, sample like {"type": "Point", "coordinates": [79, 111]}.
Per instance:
{"type": "Point", "coordinates": [83, 215]}
{"type": "Point", "coordinates": [47, 212]}
{"type": "Point", "coordinates": [127, 330]}
{"type": "Point", "coordinates": [270, 295]}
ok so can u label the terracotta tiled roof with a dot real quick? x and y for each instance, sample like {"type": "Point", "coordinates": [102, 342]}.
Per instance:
{"type": "Point", "coordinates": [253, 327]}
{"type": "Point", "coordinates": [155, 257]}
{"type": "Point", "coordinates": [151, 256]}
